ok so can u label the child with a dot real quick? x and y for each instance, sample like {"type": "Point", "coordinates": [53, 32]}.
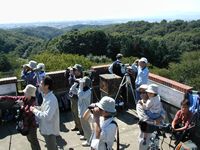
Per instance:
{"type": "Point", "coordinates": [153, 107]}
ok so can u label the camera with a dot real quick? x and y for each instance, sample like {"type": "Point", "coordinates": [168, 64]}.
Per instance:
{"type": "Point", "coordinates": [150, 128]}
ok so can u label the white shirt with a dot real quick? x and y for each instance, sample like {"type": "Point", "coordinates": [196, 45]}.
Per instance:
{"type": "Point", "coordinates": [48, 115]}
{"type": "Point", "coordinates": [108, 131]}
{"type": "Point", "coordinates": [84, 99]}
{"type": "Point", "coordinates": [153, 104]}
{"type": "Point", "coordinates": [140, 111]}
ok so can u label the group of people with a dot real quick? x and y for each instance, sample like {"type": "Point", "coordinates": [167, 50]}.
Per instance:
{"type": "Point", "coordinates": [92, 121]}
{"type": "Point", "coordinates": [138, 73]}
{"type": "Point", "coordinates": [149, 107]}
{"type": "Point", "coordinates": [43, 112]}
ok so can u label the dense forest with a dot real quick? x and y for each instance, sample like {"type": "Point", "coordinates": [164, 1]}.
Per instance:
{"type": "Point", "coordinates": [172, 48]}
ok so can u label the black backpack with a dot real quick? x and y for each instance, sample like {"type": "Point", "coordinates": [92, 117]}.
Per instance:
{"type": "Point", "coordinates": [20, 120]}
{"type": "Point", "coordinates": [117, 68]}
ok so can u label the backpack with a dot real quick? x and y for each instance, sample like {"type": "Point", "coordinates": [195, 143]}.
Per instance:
{"type": "Point", "coordinates": [64, 102]}
{"type": "Point", "coordinates": [117, 68]}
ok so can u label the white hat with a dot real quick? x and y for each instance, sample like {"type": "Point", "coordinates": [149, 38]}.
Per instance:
{"type": "Point", "coordinates": [152, 88]}
{"type": "Point", "coordinates": [32, 64]}
{"type": "Point", "coordinates": [107, 104]}
{"type": "Point", "coordinates": [143, 86]}
{"type": "Point", "coordinates": [143, 59]}
{"type": "Point", "coordinates": [41, 66]}
{"type": "Point", "coordinates": [30, 90]}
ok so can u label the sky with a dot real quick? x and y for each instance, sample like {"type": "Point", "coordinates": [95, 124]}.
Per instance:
{"type": "Point", "coordinates": [24, 11]}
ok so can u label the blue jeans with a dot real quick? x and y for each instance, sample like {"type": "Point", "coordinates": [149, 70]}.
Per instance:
{"type": "Point", "coordinates": [151, 115]}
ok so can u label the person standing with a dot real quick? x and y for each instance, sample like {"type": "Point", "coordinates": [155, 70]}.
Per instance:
{"type": "Point", "coordinates": [117, 67]}
{"type": "Point", "coordinates": [74, 80]}
{"type": "Point", "coordinates": [142, 75]}
{"type": "Point", "coordinates": [28, 74]}
{"type": "Point", "coordinates": [104, 126]}
{"type": "Point", "coordinates": [84, 100]}
{"type": "Point", "coordinates": [28, 123]}
{"type": "Point", "coordinates": [40, 73]}
{"type": "Point", "coordinates": [48, 114]}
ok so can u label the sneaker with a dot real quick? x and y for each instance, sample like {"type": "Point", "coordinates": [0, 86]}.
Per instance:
{"type": "Point", "coordinates": [78, 133]}
{"type": "Point", "coordinates": [82, 137]}
{"type": "Point", "coordinates": [85, 144]}
{"type": "Point", "coordinates": [74, 129]}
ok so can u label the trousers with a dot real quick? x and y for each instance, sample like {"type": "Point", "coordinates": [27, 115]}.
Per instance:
{"type": "Point", "coordinates": [32, 138]}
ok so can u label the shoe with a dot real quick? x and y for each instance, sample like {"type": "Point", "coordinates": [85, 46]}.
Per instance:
{"type": "Point", "coordinates": [74, 129]}
{"type": "Point", "coordinates": [78, 133]}
{"type": "Point", "coordinates": [85, 144]}
{"type": "Point", "coordinates": [82, 137]}
{"type": "Point", "coordinates": [144, 142]}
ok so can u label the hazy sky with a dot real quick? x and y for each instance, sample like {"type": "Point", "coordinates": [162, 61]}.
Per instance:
{"type": "Point", "coordinates": [12, 11]}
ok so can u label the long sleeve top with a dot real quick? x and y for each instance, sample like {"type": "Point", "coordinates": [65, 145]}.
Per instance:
{"type": "Point", "coordinates": [48, 115]}
{"type": "Point", "coordinates": [27, 116]}
{"type": "Point", "coordinates": [107, 135]}
{"type": "Point", "coordinates": [153, 104]}
{"type": "Point", "coordinates": [30, 77]}
{"type": "Point", "coordinates": [84, 99]}
{"type": "Point", "coordinates": [142, 76]}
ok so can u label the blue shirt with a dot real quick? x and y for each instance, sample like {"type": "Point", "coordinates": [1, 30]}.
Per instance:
{"type": "Point", "coordinates": [30, 77]}
{"type": "Point", "coordinates": [142, 76]}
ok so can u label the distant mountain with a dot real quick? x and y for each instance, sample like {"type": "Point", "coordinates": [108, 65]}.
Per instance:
{"type": "Point", "coordinates": [43, 32]}
{"type": "Point", "coordinates": [187, 16]}
{"type": "Point", "coordinates": [63, 24]}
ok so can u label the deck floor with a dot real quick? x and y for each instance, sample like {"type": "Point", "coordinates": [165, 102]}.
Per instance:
{"type": "Point", "coordinates": [127, 121]}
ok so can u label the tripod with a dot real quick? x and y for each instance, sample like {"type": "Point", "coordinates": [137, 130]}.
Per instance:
{"type": "Point", "coordinates": [126, 80]}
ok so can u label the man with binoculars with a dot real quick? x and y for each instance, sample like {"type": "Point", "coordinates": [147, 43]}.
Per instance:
{"type": "Point", "coordinates": [102, 116]}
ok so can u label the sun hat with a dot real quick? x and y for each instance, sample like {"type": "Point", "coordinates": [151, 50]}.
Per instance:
{"type": "Point", "coordinates": [32, 64]}
{"type": "Point", "coordinates": [152, 88]}
{"type": "Point", "coordinates": [143, 59]}
{"type": "Point", "coordinates": [143, 86]}
{"type": "Point", "coordinates": [78, 67]}
{"type": "Point", "coordinates": [107, 104]}
{"type": "Point", "coordinates": [30, 90]}
{"type": "Point", "coordinates": [41, 66]}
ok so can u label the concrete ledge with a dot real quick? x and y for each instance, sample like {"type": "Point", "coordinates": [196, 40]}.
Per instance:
{"type": "Point", "coordinates": [170, 83]}
{"type": "Point", "coordinates": [8, 80]}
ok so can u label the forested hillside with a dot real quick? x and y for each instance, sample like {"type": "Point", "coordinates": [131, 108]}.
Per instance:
{"type": "Point", "coordinates": [161, 43]}
{"type": "Point", "coordinates": [166, 45]}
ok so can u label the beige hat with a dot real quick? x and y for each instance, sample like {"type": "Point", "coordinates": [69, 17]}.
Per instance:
{"type": "Point", "coordinates": [107, 104]}
{"type": "Point", "coordinates": [152, 88]}
{"type": "Point", "coordinates": [143, 59]}
{"type": "Point", "coordinates": [32, 64]}
{"type": "Point", "coordinates": [30, 90]}
{"type": "Point", "coordinates": [143, 86]}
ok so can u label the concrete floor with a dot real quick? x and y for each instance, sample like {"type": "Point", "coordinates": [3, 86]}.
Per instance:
{"type": "Point", "coordinates": [127, 121]}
